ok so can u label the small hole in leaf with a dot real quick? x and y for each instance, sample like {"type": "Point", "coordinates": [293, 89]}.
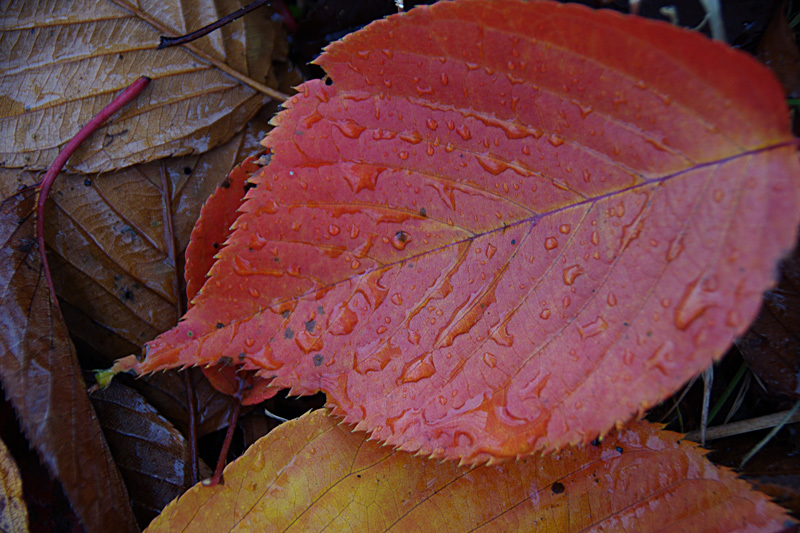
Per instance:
{"type": "Point", "coordinates": [226, 183]}
{"type": "Point", "coordinates": [328, 81]}
{"type": "Point", "coordinates": [558, 488]}
{"type": "Point", "coordinates": [187, 170]}
{"type": "Point", "coordinates": [87, 182]}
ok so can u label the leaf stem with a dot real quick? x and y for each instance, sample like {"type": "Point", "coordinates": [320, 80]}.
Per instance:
{"type": "Point", "coordinates": [127, 96]}
{"type": "Point", "coordinates": [166, 41]}
{"type": "Point", "coordinates": [208, 58]}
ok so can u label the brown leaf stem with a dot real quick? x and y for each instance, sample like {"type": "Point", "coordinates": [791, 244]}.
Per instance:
{"type": "Point", "coordinates": [127, 96]}
{"type": "Point", "coordinates": [166, 41]}
{"type": "Point", "coordinates": [253, 84]}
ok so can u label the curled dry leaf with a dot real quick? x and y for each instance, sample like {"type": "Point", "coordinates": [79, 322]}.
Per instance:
{"type": "Point", "coordinates": [311, 474]}
{"type": "Point", "coordinates": [13, 512]}
{"type": "Point", "coordinates": [41, 377]}
{"type": "Point", "coordinates": [505, 227]}
{"type": "Point", "coordinates": [151, 454]}
{"type": "Point", "coordinates": [63, 61]}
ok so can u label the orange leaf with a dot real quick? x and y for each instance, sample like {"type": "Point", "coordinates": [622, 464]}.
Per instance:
{"type": "Point", "coordinates": [505, 227]}
{"type": "Point", "coordinates": [311, 475]}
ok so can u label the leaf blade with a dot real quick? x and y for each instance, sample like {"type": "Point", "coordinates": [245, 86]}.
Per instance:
{"type": "Point", "coordinates": [472, 285]}
{"type": "Point", "coordinates": [311, 473]}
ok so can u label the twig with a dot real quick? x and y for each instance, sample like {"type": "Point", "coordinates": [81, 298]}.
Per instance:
{"type": "Point", "coordinates": [744, 426]}
{"type": "Point", "coordinates": [708, 382]}
{"type": "Point", "coordinates": [166, 42]}
{"type": "Point", "coordinates": [763, 442]}
{"type": "Point", "coordinates": [233, 73]}
{"type": "Point", "coordinates": [46, 184]}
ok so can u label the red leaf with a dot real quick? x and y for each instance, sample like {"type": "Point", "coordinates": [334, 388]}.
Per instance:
{"type": "Point", "coordinates": [211, 232]}
{"type": "Point", "coordinates": [505, 227]}
{"type": "Point", "coordinates": [311, 474]}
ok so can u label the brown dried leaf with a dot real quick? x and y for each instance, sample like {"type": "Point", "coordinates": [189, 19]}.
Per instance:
{"type": "Point", "coordinates": [13, 512]}
{"type": "Point", "coordinates": [167, 392]}
{"type": "Point", "coordinates": [151, 454]}
{"type": "Point", "coordinates": [61, 62]}
{"type": "Point", "coordinates": [41, 377]}
{"type": "Point", "coordinates": [771, 346]}
{"type": "Point", "coordinates": [111, 237]}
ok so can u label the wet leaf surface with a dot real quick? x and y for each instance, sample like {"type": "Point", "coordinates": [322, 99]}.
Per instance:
{"type": "Point", "coordinates": [41, 377]}
{"type": "Point", "coordinates": [504, 229]}
{"type": "Point", "coordinates": [153, 457]}
{"type": "Point", "coordinates": [312, 474]}
{"type": "Point", "coordinates": [64, 61]}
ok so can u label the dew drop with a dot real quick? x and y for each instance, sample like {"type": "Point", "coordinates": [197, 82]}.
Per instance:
{"type": "Point", "coordinates": [350, 129]}
{"type": "Point", "coordinates": [333, 230]}
{"type": "Point", "coordinates": [400, 240]}
{"type": "Point", "coordinates": [572, 272]}
{"type": "Point", "coordinates": [397, 298]}
{"type": "Point", "coordinates": [432, 124]}
{"type": "Point", "coordinates": [565, 228]}
{"type": "Point", "coordinates": [443, 79]}
{"type": "Point", "coordinates": [249, 342]}
{"type": "Point", "coordinates": [490, 359]}
{"type": "Point", "coordinates": [550, 243]}
{"type": "Point", "coordinates": [555, 140]}
{"type": "Point", "coordinates": [675, 249]}
{"type": "Point", "coordinates": [593, 328]}
{"type": "Point", "coordinates": [254, 292]}
{"type": "Point", "coordinates": [545, 314]}
{"type": "Point", "coordinates": [611, 299]}
{"type": "Point", "coordinates": [403, 155]}
{"type": "Point", "coordinates": [463, 132]}
{"type": "Point", "coordinates": [490, 251]}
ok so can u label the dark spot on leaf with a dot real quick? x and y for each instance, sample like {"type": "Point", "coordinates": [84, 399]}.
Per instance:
{"type": "Point", "coordinates": [242, 356]}
{"type": "Point", "coordinates": [310, 325]}
{"type": "Point", "coordinates": [401, 236]}
{"type": "Point", "coordinates": [120, 57]}
{"type": "Point", "coordinates": [226, 183]}
{"type": "Point", "coordinates": [220, 325]}
{"type": "Point", "coordinates": [285, 314]}
{"type": "Point", "coordinates": [513, 241]}
{"type": "Point", "coordinates": [318, 359]}
{"type": "Point", "coordinates": [423, 212]}
{"type": "Point", "coordinates": [276, 259]}
{"type": "Point", "coordinates": [596, 442]}
{"type": "Point", "coordinates": [128, 295]}
{"type": "Point", "coordinates": [224, 360]}
{"type": "Point", "coordinates": [320, 310]}
{"type": "Point", "coordinates": [215, 245]}
{"type": "Point", "coordinates": [87, 182]}
{"type": "Point", "coordinates": [187, 170]}
{"type": "Point", "coordinates": [288, 334]}
{"type": "Point", "coordinates": [558, 488]}
{"type": "Point", "coordinates": [189, 334]}
{"type": "Point", "coordinates": [358, 476]}
{"type": "Point", "coordinates": [619, 449]}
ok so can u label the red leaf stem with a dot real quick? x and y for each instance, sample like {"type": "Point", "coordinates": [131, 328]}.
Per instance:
{"type": "Point", "coordinates": [116, 104]}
